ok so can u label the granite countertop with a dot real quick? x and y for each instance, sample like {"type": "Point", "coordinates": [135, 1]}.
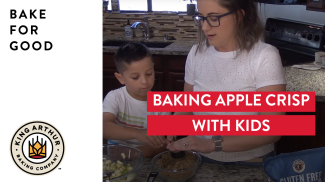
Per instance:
{"type": "Point", "coordinates": [212, 173]}
{"type": "Point", "coordinates": [306, 80]}
{"type": "Point", "coordinates": [176, 48]}
{"type": "Point", "coordinates": [297, 79]}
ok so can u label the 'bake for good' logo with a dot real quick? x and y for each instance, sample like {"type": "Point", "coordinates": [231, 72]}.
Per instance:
{"type": "Point", "coordinates": [37, 148]}
{"type": "Point", "coordinates": [298, 166]}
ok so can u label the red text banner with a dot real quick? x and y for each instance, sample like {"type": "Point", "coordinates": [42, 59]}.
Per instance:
{"type": "Point", "coordinates": [272, 125]}
{"type": "Point", "coordinates": [231, 102]}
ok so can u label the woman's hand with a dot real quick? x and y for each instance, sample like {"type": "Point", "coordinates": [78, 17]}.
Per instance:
{"type": "Point", "coordinates": [192, 143]}
{"type": "Point", "coordinates": [154, 141]}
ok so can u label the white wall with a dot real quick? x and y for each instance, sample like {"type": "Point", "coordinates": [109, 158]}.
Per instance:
{"type": "Point", "coordinates": [292, 12]}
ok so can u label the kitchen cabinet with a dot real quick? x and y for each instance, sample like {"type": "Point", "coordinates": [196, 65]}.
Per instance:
{"type": "Point", "coordinates": [175, 73]}
{"type": "Point", "coordinates": [316, 5]}
{"type": "Point", "coordinates": [289, 144]}
{"type": "Point", "coordinates": [159, 74]}
{"type": "Point", "coordinates": [176, 81]}
{"type": "Point", "coordinates": [159, 81]}
{"type": "Point", "coordinates": [109, 80]}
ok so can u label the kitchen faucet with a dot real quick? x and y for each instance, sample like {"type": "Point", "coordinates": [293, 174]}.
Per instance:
{"type": "Point", "coordinates": [166, 36]}
{"type": "Point", "coordinates": [145, 25]}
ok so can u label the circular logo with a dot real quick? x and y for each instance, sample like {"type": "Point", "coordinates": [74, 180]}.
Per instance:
{"type": "Point", "coordinates": [37, 148]}
{"type": "Point", "coordinates": [298, 166]}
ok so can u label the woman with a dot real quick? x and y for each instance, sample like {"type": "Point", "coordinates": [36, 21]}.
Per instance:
{"type": "Point", "coordinates": [231, 57]}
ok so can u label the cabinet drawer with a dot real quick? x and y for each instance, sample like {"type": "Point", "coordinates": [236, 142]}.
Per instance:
{"type": "Point", "coordinates": [176, 63]}
{"type": "Point", "coordinates": [158, 60]}
{"type": "Point", "coordinates": [176, 82]}
{"type": "Point", "coordinates": [109, 81]}
{"type": "Point", "coordinates": [159, 82]}
{"type": "Point", "coordinates": [316, 5]}
{"type": "Point", "coordinates": [108, 61]}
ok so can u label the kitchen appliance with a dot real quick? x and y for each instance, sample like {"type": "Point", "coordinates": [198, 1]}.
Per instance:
{"type": "Point", "coordinates": [296, 41]}
{"type": "Point", "coordinates": [282, 2]}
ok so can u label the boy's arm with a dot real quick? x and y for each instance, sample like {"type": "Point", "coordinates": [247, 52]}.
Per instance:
{"type": "Point", "coordinates": [111, 130]}
{"type": "Point", "coordinates": [115, 132]}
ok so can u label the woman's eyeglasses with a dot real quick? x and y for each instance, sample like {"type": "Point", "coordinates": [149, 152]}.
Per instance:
{"type": "Point", "coordinates": [213, 20]}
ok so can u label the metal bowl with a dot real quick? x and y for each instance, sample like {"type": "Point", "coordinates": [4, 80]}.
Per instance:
{"type": "Point", "coordinates": [133, 157]}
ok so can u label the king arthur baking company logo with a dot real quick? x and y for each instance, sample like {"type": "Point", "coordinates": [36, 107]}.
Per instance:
{"type": "Point", "coordinates": [37, 148]}
{"type": "Point", "coordinates": [298, 166]}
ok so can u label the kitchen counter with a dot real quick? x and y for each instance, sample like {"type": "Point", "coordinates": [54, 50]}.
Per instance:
{"type": "Point", "coordinates": [297, 79]}
{"type": "Point", "coordinates": [176, 48]}
{"type": "Point", "coordinates": [212, 173]}
{"type": "Point", "coordinates": [305, 80]}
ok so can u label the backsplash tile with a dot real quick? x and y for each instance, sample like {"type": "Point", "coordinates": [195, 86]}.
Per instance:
{"type": "Point", "coordinates": [180, 26]}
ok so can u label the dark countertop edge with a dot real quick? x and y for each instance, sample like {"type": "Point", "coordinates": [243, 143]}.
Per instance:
{"type": "Point", "coordinates": [172, 49]}
{"type": "Point", "coordinates": [162, 51]}
{"type": "Point", "coordinates": [180, 13]}
{"type": "Point", "coordinates": [174, 53]}
{"type": "Point", "coordinates": [320, 98]}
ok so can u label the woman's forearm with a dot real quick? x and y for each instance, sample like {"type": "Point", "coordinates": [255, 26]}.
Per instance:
{"type": "Point", "coordinates": [244, 143]}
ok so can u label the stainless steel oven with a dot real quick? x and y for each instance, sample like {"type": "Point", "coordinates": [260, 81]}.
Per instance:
{"type": "Point", "coordinates": [296, 41]}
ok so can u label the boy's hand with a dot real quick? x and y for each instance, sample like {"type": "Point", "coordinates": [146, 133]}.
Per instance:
{"type": "Point", "coordinates": [154, 141]}
{"type": "Point", "coordinates": [170, 139]}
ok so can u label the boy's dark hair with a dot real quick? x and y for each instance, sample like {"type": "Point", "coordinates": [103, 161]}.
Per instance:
{"type": "Point", "coordinates": [128, 53]}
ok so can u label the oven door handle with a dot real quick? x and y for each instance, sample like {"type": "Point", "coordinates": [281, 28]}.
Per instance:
{"type": "Point", "coordinates": [298, 52]}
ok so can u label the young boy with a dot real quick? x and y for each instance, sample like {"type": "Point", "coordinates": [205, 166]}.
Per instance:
{"type": "Point", "coordinates": [125, 109]}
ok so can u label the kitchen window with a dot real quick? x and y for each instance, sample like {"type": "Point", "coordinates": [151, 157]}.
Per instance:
{"type": "Point", "coordinates": [157, 5]}
{"type": "Point", "coordinates": [171, 5]}
{"type": "Point", "coordinates": [131, 5]}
